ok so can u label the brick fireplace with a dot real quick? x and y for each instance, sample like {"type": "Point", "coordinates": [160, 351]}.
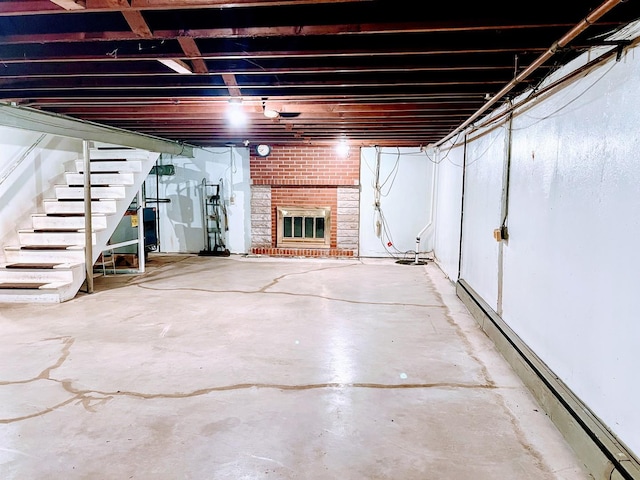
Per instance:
{"type": "Point", "coordinates": [305, 202]}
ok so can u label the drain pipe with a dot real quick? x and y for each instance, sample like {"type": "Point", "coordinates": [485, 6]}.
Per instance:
{"type": "Point", "coordinates": [431, 209]}
{"type": "Point", "coordinates": [593, 17]}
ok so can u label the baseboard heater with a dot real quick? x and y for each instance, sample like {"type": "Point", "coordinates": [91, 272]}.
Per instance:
{"type": "Point", "coordinates": [604, 456]}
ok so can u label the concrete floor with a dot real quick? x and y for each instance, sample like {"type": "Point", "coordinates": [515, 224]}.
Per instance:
{"type": "Point", "coordinates": [259, 368]}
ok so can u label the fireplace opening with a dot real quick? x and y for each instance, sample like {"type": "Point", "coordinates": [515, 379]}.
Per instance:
{"type": "Point", "coordinates": [305, 227]}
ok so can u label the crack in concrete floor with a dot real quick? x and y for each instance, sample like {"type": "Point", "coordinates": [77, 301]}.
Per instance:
{"type": "Point", "coordinates": [92, 399]}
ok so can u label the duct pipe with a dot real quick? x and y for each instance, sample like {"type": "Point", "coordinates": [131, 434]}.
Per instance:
{"type": "Point", "coordinates": [88, 227]}
{"type": "Point", "coordinates": [593, 17]}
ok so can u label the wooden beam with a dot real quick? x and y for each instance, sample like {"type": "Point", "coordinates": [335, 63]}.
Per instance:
{"type": "Point", "coordinates": [70, 4]}
{"type": "Point", "coordinates": [137, 23]}
{"type": "Point", "coordinates": [44, 7]}
{"type": "Point", "coordinates": [232, 84]}
{"type": "Point", "coordinates": [107, 4]}
{"type": "Point", "coordinates": [279, 31]}
{"type": "Point", "coordinates": [192, 51]}
{"type": "Point", "coordinates": [159, 4]}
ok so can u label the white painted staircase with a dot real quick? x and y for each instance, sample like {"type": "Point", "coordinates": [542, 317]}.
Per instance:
{"type": "Point", "coordinates": [47, 264]}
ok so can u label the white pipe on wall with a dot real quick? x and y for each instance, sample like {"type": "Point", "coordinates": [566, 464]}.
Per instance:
{"type": "Point", "coordinates": [432, 208]}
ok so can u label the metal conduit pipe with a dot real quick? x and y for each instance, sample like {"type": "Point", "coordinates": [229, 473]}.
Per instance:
{"type": "Point", "coordinates": [564, 41]}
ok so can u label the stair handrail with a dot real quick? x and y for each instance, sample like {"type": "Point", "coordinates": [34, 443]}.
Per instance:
{"type": "Point", "coordinates": [7, 173]}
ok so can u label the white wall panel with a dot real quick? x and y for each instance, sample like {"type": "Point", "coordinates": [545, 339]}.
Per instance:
{"type": "Point", "coordinates": [181, 220]}
{"type": "Point", "coordinates": [406, 190]}
{"type": "Point", "coordinates": [482, 212]}
{"type": "Point", "coordinates": [572, 261]}
{"type": "Point", "coordinates": [570, 265]}
{"type": "Point", "coordinates": [448, 208]}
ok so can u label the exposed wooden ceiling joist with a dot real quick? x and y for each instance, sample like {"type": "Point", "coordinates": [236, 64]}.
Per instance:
{"type": "Point", "coordinates": [374, 71]}
{"type": "Point", "coordinates": [137, 23]}
{"type": "Point", "coordinates": [192, 51]}
{"type": "Point", "coordinates": [140, 29]}
{"type": "Point", "coordinates": [48, 7]}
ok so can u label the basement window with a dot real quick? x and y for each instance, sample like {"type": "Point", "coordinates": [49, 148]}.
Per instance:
{"type": "Point", "coordinates": [304, 227]}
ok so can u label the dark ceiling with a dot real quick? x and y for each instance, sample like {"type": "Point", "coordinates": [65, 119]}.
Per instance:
{"type": "Point", "coordinates": [375, 72]}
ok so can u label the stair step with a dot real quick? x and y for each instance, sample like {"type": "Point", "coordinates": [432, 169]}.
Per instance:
{"type": "Point", "coordinates": [105, 166]}
{"type": "Point", "coordinates": [60, 272]}
{"type": "Point", "coordinates": [100, 178]}
{"type": "Point", "coordinates": [66, 221]}
{"type": "Point", "coordinates": [30, 237]}
{"type": "Point", "coordinates": [117, 153]}
{"type": "Point", "coordinates": [36, 292]}
{"type": "Point", "coordinates": [45, 247]}
{"type": "Point", "coordinates": [106, 206]}
{"type": "Point", "coordinates": [57, 230]}
{"type": "Point", "coordinates": [44, 253]}
{"type": "Point", "coordinates": [22, 285]}
{"type": "Point", "coordinates": [77, 193]}
{"type": "Point", "coordinates": [43, 266]}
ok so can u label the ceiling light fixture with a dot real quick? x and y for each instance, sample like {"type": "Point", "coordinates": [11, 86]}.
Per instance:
{"type": "Point", "coordinates": [269, 112]}
{"type": "Point", "coordinates": [342, 148]}
{"type": "Point", "coordinates": [236, 115]}
{"type": "Point", "coordinates": [176, 65]}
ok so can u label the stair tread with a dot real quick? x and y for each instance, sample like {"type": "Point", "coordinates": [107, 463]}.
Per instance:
{"type": "Point", "coordinates": [22, 285]}
{"type": "Point", "coordinates": [97, 160]}
{"type": "Point", "coordinates": [40, 266]}
{"type": "Point", "coordinates": [77, 199]}
{"type": "Point", "coordinates": [51, 230]}
{"type": "Point", "coordinates": [64, 215]}
{"type": "Point", "coordinates": [44, 247]}
{"type": "Point", "coordinates": [61, 214]}
{"type": "Point", "coordinates": [77, 185]}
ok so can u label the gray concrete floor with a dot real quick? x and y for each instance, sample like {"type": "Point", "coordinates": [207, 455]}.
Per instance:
{"type": "Point", "coordinates": [259, 368]}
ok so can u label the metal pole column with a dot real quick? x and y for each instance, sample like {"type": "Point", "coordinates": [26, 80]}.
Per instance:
{"type": "Point", "coordinates": [88, 226]}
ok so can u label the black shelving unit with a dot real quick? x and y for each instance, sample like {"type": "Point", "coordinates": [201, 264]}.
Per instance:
{"type": "Point", "coordinates": [213, 221]}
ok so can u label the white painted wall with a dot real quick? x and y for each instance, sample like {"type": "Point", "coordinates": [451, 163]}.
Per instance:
{"type": "Point", "coordinates": [572, 259]}
{"type": "Point", "coordinates": [29, 175]}
{"type": "Point", "coordinates": [406, 187]}
{"type": "Point", "coordinates": [181, 220]}
{"type": "Point", "coordinates": [482, 211]}
{"type": "Point", "coordinates": [448, 207]}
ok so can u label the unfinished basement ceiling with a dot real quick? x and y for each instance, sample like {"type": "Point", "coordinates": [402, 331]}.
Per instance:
{"type": "Point", "coordinates": [374, 72]}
